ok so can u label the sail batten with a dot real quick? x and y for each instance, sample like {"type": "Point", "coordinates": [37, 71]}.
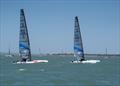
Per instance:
{"type": "Point", "coordinates": [78, 45]}
{"type": "Point", "coordinates": [24, 44]}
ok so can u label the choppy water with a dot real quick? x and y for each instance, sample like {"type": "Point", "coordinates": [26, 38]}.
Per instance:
{"type": "Point", "coordinates": [60, 72]}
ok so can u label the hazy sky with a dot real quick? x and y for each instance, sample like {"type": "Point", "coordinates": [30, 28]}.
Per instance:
{"type": "Point", "coordinates": [51, 24]}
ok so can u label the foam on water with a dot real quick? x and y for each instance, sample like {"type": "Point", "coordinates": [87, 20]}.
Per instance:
{"type": "Point", "coordinates": [22, 69]}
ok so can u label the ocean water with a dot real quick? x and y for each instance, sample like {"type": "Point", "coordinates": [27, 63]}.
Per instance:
{"type": "Point", "coordinates": [60, 72]}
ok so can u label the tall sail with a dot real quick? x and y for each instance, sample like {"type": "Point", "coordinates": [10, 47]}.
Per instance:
{"type": "Point", "coordinates": [24, 44]}
{"type": "Point", "coordinates": [78, 45]}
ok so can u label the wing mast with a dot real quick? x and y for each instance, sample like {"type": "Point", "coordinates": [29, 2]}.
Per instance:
{"type": "Point", "coordinates": [78, 45]}
{"type": "Point", "coordinates": [24, 44]}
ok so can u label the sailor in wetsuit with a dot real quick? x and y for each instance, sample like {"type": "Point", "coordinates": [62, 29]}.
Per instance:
{"type": "Point", "coordinates": [24, 60]}
{"type": "Point", "coordinates": [82, 59]}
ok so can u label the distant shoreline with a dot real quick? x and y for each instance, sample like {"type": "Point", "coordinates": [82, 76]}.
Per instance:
{"type": "Point", "coordinates": [16, 54]}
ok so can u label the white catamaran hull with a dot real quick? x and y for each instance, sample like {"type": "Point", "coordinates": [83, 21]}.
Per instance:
{"type": "Point", "coordinates": [8, 55]}
{"type": "Point", "coordinates": [87, 61]}
{"type": "Point", "coordinates": [33, 61]}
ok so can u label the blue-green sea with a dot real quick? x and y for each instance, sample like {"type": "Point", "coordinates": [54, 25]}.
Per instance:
{"type": "Point", "coordinates": [60, 72]}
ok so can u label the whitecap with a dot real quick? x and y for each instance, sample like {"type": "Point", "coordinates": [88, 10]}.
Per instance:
{"type": "Point", "coordinates": [22, 69]}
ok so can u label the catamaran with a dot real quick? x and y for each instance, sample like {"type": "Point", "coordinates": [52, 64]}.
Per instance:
{"type": "Point", "coordinates": [78, 45]}
{"type": "Point", "coordinates": [9, 54]}
{"type": "Point", "coordinates": [24, 43]}
{"type": "Point", "coordinates": [106, 54]}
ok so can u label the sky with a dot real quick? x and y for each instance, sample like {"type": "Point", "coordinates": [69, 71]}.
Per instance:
{"type": "Point", "coordinates": [51, 25]}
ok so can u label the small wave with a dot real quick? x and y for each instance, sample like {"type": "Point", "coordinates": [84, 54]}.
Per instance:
{"type": "Point", "coordinates": [42, 70]}
{"type": "Point", "coordinates": [22, 69]}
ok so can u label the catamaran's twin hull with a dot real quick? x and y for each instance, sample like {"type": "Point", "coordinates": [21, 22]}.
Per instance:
{"type": "Point", "coordinates": [33, 61]}
{"type": "Point", "coordinates": [87, 61]}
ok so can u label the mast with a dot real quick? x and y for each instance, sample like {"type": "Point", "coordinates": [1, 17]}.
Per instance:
{"type": "Point", "coordinates": [78, 45]}
{"type": "Point", "coordinates": [106, 51]}
{"type": "Point", "coordinates": [9, 52]}
{"type": "Point", "coordinates": [40, 51]}
{"type": "Point", "coordinates": [24, 44]}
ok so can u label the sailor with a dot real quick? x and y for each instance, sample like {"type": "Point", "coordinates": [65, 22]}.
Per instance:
{"type": "Point", "coordinates": [24, 60]}
{"type": "Point", "coordinates": [82, 59]}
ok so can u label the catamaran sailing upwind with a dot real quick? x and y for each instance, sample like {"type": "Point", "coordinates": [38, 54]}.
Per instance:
{"type": "Point", "coordinates": [78, 45]}
{"type": "Point", "coordinates": [24, 43]}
